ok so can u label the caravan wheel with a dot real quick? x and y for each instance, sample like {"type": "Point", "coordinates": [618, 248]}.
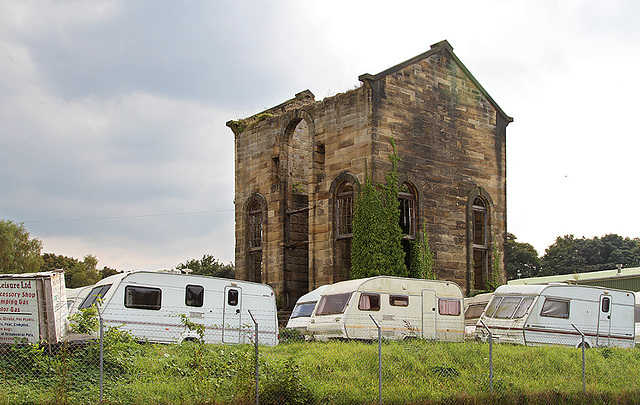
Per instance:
{"type": "Point", "coordinates": [586, 345]}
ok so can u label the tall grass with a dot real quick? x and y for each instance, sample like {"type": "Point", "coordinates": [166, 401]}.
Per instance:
{"type": "Point", "coordinates": [413, 372]}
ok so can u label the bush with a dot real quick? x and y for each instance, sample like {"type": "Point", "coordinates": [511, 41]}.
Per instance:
{"type": "Point", "coordinates": [283, 385]}
{"type": "Point", "coordinates": [85, 320]}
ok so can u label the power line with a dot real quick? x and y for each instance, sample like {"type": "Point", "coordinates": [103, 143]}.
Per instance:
{"type": "Point", "coordinates": [127, 216]}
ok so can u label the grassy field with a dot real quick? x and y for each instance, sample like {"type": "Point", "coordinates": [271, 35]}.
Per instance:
{"type": "Point", "coordinates": [413, 372]}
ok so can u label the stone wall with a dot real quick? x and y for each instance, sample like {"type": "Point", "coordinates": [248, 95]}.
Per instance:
{"type": "Point", "coordinates": [450, 144]}
{"type": "Point", "coordinates": [450, 137]}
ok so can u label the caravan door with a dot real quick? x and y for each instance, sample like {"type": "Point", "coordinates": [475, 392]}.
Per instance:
{"type": "Point", "coordinates": [604, 321]}
{"type": "Point", "coordinates": [232, 314]}
{"type": "Point", "coordinates": [429, 314]}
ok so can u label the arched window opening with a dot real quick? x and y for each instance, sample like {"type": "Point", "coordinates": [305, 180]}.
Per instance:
{"type": "Point", "coordinates": [408, 208]}
{"type": "Point", "coordinates": [480, 238]}
{"type": "Point", "coordinates": [254, 213]}
{"type": "Point", "coordinates": [344, 211]}
{"type": "Point", "coordinates": [343, 222]}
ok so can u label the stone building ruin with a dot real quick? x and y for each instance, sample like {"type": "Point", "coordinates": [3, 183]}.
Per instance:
{"type": "Point", "coordinates": [298, 167]}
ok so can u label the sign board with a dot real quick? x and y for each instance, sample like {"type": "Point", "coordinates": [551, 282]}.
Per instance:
{"type": "Point", "coordinates": [18, 310]}
{"type": "Point", "coordinates": [33, 306]}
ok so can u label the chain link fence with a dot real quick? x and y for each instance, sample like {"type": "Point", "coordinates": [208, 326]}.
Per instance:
{"type": "Point", "coordinates": [169, 361]}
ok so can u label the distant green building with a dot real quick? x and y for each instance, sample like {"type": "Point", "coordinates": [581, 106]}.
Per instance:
{"type": "Point", "coordinates": [623, 279]}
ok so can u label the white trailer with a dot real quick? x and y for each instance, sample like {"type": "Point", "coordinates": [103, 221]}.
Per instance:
{"type": "Point", "coordinates": [157, 306]}
{"type": "Point", "coordinates": [301, 314]}
{"type": "Point", "coordinates": [404, 308]}
{"type": "Point", "coordinates": [75, 296]}
{"type": "Point", "coordinates": [473, 309]}
{"type": "Point", "coordinates": [33, 307]}
{"type": "Point", "coordinates": [637, 317]}
{"type": "Point", "coordinates": [547, 314]}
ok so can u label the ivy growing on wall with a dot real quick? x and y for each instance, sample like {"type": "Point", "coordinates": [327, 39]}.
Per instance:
{"type": "Point", "coordinates": [367, 257]}
{"type": "Point", "coordinates": [421, 264]}
{"type": "Point", "coordinates": [494, 278]}
{"type": "Point", "coordinates": [376, 247]}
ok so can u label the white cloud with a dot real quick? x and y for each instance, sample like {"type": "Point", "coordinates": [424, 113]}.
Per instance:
{"type": "Point", "coordinates": [113, 113]}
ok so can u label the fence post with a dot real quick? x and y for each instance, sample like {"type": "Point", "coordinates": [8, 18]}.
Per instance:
{"type": "Point", "coordinates": [584, 380]}
{"type": "Point", "coordinates": [490, 355]}
{"type": "Point", "coordinates": [101, 351]}
{"type": "Point", "coordinates": [379, 358]}
{"type": "Point", "coordinates": [256, 344]}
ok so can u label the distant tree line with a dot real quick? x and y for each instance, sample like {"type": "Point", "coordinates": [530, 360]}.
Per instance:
{"type": "Point", "coordinates": [76, 273]}
{"type": "Point", "coordinates": [569, 255]}
{"type": "Point", "coordinates": [21, 254]}
{"type": "Point", "coordinates": [208, 266]}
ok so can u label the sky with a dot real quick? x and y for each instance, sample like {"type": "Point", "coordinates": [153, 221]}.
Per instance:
{"type": "Point", "coordinates": [112, 113]}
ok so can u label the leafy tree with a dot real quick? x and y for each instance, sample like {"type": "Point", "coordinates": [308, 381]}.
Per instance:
{"type": "Point", "coordinates": [376, 248]}
{"type": "Point", "coordinates": [18, 252]}
{"type": "Point", "coordinates": [522, 259]}
{"type": "Point", "coordinates": [76, 273]}
{"type": "Point", "coordinates": [208, 266]}
{"type": "Point", "coordinates": [570, 255]}
{"type": "Point", "coordinates": [107, 271]}
{"type": "Point", "coordinates": [562, 257]}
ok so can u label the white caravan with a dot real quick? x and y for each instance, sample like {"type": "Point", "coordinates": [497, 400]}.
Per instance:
{"type": "Point", "coordinates": [157, 307]}
{"type": "Point", "coordinates": [301, 314]}
{"type": "Point", "coordinates": [473, 308]}
{"type": "Point", "coordinates": [637, 317]}
{"type": "Point", "coordinates": [403, 307]}
{"type": "Point", "coordinates": [546, 314]}
{"type": "Point", "coordinates": [75, 296]}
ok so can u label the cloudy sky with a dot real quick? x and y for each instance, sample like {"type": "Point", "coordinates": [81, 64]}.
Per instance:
{"type": "Point", "coordinates": [112, 113]}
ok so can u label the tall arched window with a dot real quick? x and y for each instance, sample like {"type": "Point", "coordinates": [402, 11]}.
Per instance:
{"type": "Point", "coordinates": [344, 211]}
{"type": "Point", "coordinates": [408, 207]}
{"type": "Point", "coordinates": [254, 215]}
{"type": "Point", "coordinates": [480, 239]}
{"type": "Point", "coordinates": [343, 189]}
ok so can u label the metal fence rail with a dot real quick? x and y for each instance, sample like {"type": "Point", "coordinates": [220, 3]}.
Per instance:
{"type": "Point", "coordinates": [115, 366]}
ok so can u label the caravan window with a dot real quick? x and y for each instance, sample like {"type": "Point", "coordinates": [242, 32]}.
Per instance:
{"type": "Point", "coordinates": [511, 307]}
{"type": "Point", "coordinates": [606, 304]}
{"type": "Point", "coordinates": [495, 302]}
{"type": "Point", "coordinates": [507, 307]}
{"type": "Point", "coordinates": [333, 304]}
{"type": "Point", "coordinates": [194, 296]}
{"type": "Point", "coordinates": [142, 297]}
{"type": "Point", "coordinates": [523, 307]}
{"type": "Point", "coordinates": [474, 311]}
{"type": "Point", "coordinates": [96, 292]}
{"type": "Point", "coordinates": [232, 297]}
{"type": "Point", "coordinates": [448, 307]}
{"type": "Point", "coordinates": [399, 300]}
{"type": "Point", "coordinates": [555, 308]}
{"type": "Point", "coordinates": [303, 310]}
{"type": "Point", "coordinates": [369, 302]}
